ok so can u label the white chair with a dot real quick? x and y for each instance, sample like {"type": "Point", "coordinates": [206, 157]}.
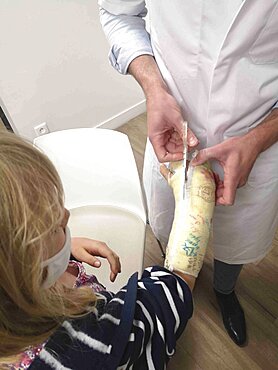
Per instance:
{"type": "Point", "coordinates": [102, 192]}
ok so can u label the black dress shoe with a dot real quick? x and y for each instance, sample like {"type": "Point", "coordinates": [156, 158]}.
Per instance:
{"type": "Point", "coordinates": [233, 316]}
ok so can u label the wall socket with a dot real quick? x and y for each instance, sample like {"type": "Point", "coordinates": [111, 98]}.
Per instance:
{"type": "Point", "coordinates": [41, 129]}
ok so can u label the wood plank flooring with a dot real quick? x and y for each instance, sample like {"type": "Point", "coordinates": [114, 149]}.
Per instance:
{"type": "Point", "coordinates": [205, 345]}
{"type": "Point", "coordinates": [2, 126]}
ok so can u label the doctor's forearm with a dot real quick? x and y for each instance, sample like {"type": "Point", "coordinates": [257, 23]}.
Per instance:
{"type": "Point", "coordinates": [266, 133]}
{"type": "Point", "coordinates": [145, 70]}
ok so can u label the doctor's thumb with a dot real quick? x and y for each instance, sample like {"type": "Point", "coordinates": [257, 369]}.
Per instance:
{"type": "Point", "coordinates": [192, 140]}
{"type": "Point", "coordinates": [203, 156]}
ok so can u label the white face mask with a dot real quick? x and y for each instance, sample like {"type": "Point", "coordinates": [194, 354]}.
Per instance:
{"type": "Point", "coordinates": [57, 264]}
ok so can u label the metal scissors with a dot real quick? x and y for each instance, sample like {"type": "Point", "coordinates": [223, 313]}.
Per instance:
{"type": "Point", "coordinates": [185, 151]}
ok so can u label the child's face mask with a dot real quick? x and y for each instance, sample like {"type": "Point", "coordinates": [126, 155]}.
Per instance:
{"type": "Point", "coordinates": [57, 264]}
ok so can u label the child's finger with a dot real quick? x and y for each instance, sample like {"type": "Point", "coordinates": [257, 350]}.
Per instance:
{"type": "Point", "coordinates": [113, 276]}
{"type": "Point", "coordinates": [105, 252]}
{"type": "Point", "coordinates": [87, 257]}
{"type": "Point", "coordinates": [115, 266]}
{"type": "Point", "coordinates": [164, 171]}
{"type": "Point", "coordinates": [88, 250]}
{"type": "Point", "coordinates": [112, 258]}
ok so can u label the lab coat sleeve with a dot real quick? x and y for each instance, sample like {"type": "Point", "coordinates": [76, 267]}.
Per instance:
{"type": "Point", "coordinates": [275, 106]}
{"type": "Point", "coordinates": [124, 27]}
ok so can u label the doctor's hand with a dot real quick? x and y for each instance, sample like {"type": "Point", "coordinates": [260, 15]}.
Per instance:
{"type": "Point", "coordinates": [237, 157]}
{"type": "Point", "coordinates": [165, 126]}
{"type": "Point", "coordinates": [165, 121]}
{"type": "Point", "coordinates": [87, 250]}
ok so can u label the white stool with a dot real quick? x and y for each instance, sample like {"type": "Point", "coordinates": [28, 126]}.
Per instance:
{"type": "Point", "coordinates": [102, 192]}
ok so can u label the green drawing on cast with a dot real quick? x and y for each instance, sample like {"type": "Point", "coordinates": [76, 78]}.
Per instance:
{"type": "Point", "coordinates": [191, 245]}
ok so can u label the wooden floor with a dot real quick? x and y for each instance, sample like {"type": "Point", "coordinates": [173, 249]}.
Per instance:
{"type": "Point", "coordinates": [2, 127]}
{"type": "Point", "coordinates": [205, 344]}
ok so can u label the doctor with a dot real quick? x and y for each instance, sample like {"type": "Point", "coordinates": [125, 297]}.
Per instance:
{"type": "Point", "coordinates": [215, 64]}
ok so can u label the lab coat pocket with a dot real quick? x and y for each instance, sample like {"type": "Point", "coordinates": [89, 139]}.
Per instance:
{"type": "Point", "coordinates": [265, 48]}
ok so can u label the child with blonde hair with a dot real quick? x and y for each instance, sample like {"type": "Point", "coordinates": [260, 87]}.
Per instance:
{"type": "Point", "coordinates": [52, 314]}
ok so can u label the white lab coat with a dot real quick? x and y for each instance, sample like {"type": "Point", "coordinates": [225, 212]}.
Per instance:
{"type": "Point", "coordinates": [220, 61]}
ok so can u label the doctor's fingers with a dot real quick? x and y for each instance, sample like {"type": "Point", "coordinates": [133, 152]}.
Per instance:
{"type": "Point", "coordinates": [219, 193]}
{"type": "Point", "coordinates": [167, 152]}
{"type": "Point", "coordinates": [208, 153]}
{"type": "Point", "coordinates": [192, 140]}
{"type": "Point", "coordinates": [230, 185]}
{"type": "Point", "coordinates": [191, 143]}
{"type": "Point", "coordinates": [176, 138]}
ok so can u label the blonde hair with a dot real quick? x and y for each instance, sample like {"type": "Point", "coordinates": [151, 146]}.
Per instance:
{"type": "Point", "coordinates": [31, 206]}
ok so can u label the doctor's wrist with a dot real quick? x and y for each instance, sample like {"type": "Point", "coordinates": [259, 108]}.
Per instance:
{"type": "Point", "coordinates": [145, 70]}
{"type": "Point", "coordinates": [266, 133]}
{"type": "Point", "coordinates": [155, 89]}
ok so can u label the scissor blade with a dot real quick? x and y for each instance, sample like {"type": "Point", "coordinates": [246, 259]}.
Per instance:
{"type": "Point", "coordinates": [185, 150]}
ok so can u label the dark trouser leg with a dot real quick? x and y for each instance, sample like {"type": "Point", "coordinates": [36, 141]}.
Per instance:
{"type": "Point", "coordinates": [225, 276]}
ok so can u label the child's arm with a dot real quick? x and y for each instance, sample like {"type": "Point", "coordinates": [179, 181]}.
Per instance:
{"type": "Point", "coordinates": [192, 220]}
{"type": "Point", "coordinates": [162, 308]}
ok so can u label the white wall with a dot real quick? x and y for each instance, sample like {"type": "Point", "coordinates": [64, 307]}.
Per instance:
{"type": "Point", "coordinates": [54, 68]}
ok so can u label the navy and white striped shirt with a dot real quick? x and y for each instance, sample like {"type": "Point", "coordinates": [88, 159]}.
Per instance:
{"type": "Point", "coordinates": [163, 307]}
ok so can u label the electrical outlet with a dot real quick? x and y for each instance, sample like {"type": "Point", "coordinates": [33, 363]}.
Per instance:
{"type": "Point", "coordinates": [41, 129]}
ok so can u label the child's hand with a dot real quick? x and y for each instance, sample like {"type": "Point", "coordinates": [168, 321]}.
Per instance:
{"type": "Point", "coordinates": [87, 250]}
{"type": "Point", "coordinates": [175, 177]}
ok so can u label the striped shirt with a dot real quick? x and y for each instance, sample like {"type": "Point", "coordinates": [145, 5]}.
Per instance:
{"type": "Point", "coordinates": [163, 307]}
